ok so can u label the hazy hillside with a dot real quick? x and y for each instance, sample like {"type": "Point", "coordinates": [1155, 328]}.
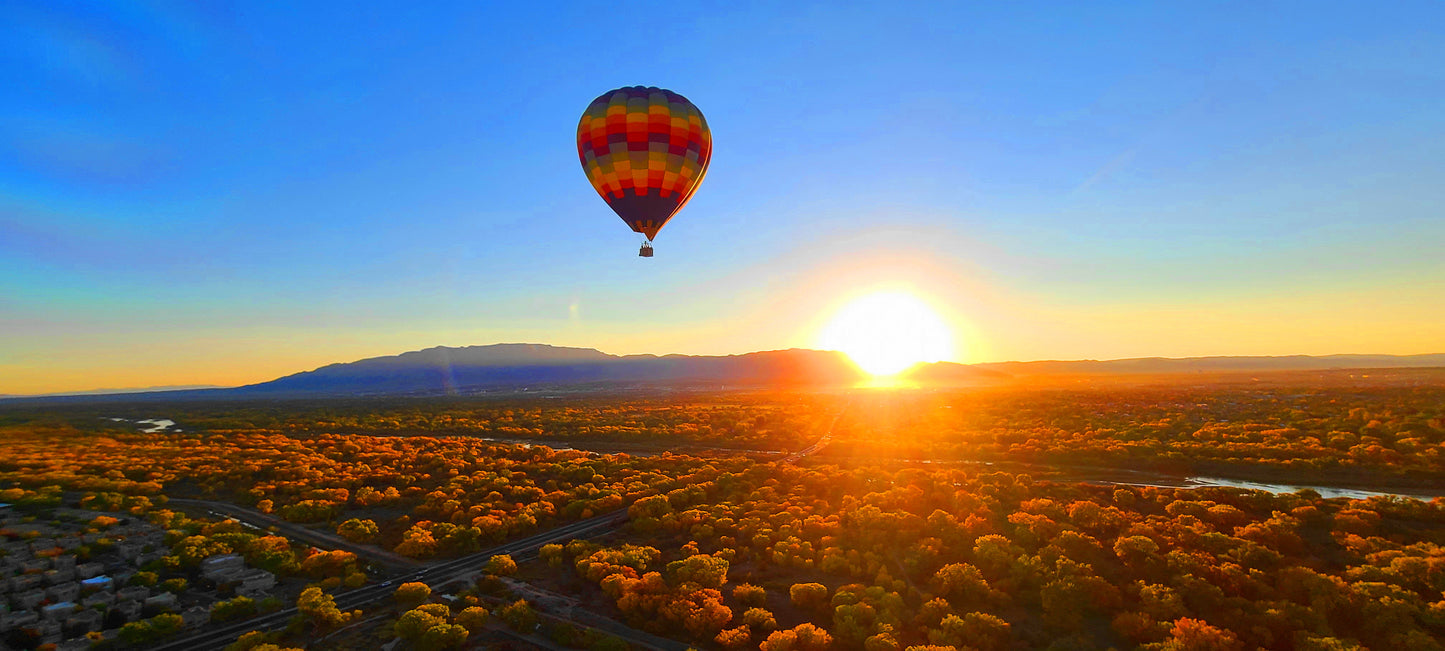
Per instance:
{"type": "Point", "coordinates": [1216, 364]}
{"type": "Point", "coordinates": [445, 370]}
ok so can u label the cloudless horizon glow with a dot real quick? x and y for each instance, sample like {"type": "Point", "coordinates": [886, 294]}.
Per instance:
{"type": "Point", "coordinates": [223, 193]}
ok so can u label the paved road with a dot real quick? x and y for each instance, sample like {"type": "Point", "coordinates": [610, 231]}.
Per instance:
{"type": "Point", "coordinates": [435, 576]}
{"type": "Point", "coordinates": [298, 532]}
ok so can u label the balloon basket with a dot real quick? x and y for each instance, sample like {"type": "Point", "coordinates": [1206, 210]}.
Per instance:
{"type": "Point", "coordinates": [646, 250]}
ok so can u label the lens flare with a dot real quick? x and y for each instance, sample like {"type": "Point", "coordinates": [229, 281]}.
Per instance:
{"type": "Point", "coordinates": [884, 333]}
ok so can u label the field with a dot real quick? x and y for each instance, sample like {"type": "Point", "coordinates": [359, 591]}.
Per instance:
{"type": "Point", "coordinates": [1047, 515]}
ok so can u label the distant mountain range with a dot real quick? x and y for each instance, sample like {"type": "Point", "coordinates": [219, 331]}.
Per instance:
{"type": "Point", "coordinates": [450, 370]}
{"type": "Point", "coordinates": [1156, 365]}
{"type": "Point", "coordinates": [503, 367]}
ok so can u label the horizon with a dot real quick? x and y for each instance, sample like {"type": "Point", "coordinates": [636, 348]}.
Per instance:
{"type": "Point", "coordinates": [209, 195]}
{"type": "Point", "coordinates": [911, 368]}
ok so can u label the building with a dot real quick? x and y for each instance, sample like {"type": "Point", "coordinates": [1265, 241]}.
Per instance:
{"type": "Point", "coordinates": [83, 622]}
{"type": "Point", "coordinates": [21, 619]}
{"type": "Point", "coordinates": [129, 609]}
{"type": "Point", "coordinates": [58, 611]}
{"type": "Point", "coordinates": [63, 592]}
{"type": "Point", "coordinates": [99, 599]}
{"type": "Point", "coordinates": [217, 567]}
{"type": "Point", "coordinates": [89, 570]}
{"type": "Point", "coordinates": [51, 631]}
{"type": "Point", "coordinates": [196, 616]}
{"type": "Point", "coordinates": [163, 601]}
{"type": "Point", "coordinates": [255, 580]}
{"type": "Point", "coordinates": [42, 544]}
{"type": "Point", "coordinates": [97, 583]}
{"type": "Point", "coordinates": [57, 577]}
{"type": "Point", "coordinates": [29, 600]}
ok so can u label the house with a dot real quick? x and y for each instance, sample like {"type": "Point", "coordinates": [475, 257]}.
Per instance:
{"type": "Point", "coordinates": [221, 565]}
{"type": "Point", "coordinates": [129, 550]}
{"type": "Point", "coordinates": [99, 599]}
{"type": "Point", "coordinates": [196, 616]}
{"type": "Point", "coordinates": [31, 565]}
{"type": "Point", "coordinates": [26, 582]}
{"type": "Point", "coordinates": [22, 619]}
{"type": "Point", "coordinates": [163, 601]}
{"type": "Point", "coordinates": [29, 600]}
{"type": "Point", "coordinates": [63, 592]}
{"type": "Point", "coordinates": [121, 576]}
{"type": "Point", "coordinates": [256, 580]}
{"type": "Point", "coordinates": [83, 622]}
{"type": "Point", "coordinates": [130, 609]}
{"type": "Point", "coordinates": [88, 570]}
{"type": "Point", "coordinates": [51, 631]}
{"type": "Point", "coordinates": [57, 577]}
{"type": "Point", "coordinates": [58, 611]}
{"type": "Point", "coordinates": [97, 583]}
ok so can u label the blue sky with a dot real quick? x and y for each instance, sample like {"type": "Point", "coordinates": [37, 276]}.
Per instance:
{"type": "Point", "coordinates": [221, 193]}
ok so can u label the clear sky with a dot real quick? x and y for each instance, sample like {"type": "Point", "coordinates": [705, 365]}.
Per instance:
{"type": "Point", "coordinates": [213, 193]}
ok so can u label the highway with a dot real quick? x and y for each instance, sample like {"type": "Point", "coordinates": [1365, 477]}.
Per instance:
{"type": "Point", "coordinates": [434, 576]}
{"type": "Point", "coordinates": [299, 532]}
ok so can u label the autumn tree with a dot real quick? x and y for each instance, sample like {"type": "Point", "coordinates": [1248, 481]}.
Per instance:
{"type": "Point", "coordinates": [473, 618]}
{"type": "Point", "coordinates": [320, 609]}
{"type": "Point", "coordinates": [501, 565]}
{"type": "Point", "coordinates": [412, 594]}
{"type": "Point", "coordinates": [748, 594]}
{"type": "Point", "coordinates": [358, 530]}
{"type": "Point", "coordinates": [808, 595]}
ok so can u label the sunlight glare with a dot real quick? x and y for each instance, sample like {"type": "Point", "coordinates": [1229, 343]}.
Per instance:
{"type": "Point", "coordinates": [886, 332]}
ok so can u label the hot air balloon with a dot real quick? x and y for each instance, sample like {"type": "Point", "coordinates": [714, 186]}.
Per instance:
{"type": "Point", "coordinates": [645, 150]}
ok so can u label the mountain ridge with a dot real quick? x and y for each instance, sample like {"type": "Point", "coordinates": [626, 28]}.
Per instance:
{"type": "Point", "coordinates": [512, 366]}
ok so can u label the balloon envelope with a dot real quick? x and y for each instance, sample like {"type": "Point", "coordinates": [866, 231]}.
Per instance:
{"type": "Point", "coordinates": [645, 150]}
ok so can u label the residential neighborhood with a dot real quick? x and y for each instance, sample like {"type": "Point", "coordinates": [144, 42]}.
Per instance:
{"type": "Point", "coordinates": [79, 576]}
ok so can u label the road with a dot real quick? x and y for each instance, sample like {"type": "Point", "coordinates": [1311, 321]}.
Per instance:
{"type": "Point", "coordinates": [298, 532]}
{"type": "Point", "coordinates": [435, 576]}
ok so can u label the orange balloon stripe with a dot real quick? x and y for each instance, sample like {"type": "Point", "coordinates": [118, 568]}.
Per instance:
{"type": "Point", "coordinates": [644, 150]}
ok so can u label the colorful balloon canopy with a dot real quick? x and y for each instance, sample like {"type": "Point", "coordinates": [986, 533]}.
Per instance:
{"type": "Point", "coordinates": [645, 150]}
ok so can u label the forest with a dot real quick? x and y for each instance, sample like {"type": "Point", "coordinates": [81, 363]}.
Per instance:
{"type": "Point", "coordinates": [899, 520]}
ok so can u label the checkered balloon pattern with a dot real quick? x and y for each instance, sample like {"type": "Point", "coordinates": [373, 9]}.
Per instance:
{"type": "Point", "coordinates": [645, 150]}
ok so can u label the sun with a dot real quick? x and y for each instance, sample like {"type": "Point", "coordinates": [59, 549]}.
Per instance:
{"type": "Point", "coordinates": [887, 332]}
